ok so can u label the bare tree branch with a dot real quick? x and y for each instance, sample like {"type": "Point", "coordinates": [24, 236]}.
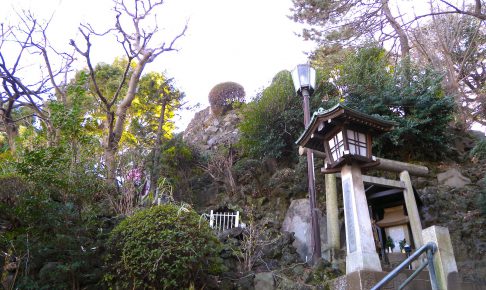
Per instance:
{"type": "Point", "coordinates": [91, 70]}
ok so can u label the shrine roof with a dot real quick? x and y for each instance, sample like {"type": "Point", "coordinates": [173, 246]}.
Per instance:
{"type": "Point", "coordinates": [324, 121]}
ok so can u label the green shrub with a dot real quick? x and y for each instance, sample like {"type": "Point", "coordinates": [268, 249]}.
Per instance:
{"type": "Point", "coordinates": [224, 96]}
{"type": "Point", "coordinates": [53, 221]}
{"type": "Point", "coordinates": [163, 247]}
{"type": "Point", "coordinates": [481, 197]}
{"type": "Point", "coordinates": [56, 244]}
{"type": "Point", "coordinates": [479, 151]}
{"type": "Point", "coordinates": [418, 105]}
{"type": "Point", "coordinates": [274, 120]}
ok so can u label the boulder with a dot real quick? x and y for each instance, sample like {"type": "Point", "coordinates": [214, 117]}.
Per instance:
{"type": "Point", "coordinates": [453, 178]}
{"type": "Point", "coordinates": [264, 281]}
{"type": "Point", "coordinates": [298, 221]}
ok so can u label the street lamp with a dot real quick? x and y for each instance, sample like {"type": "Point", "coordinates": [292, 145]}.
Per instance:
{"type": "Point", "coordinates": [304, 78]}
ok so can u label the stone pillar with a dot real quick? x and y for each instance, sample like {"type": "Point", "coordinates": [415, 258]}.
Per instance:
{"type": "Point", "coordinates": [333, 225]}
{"type": "Point", "coordinates": [361, 252]}
{"type": "Point", "coordinates": [332, 214]}
{"type": "Point", "coordinates": [444, 260]}
{"type": "Point", "coordinates": [412, 210]}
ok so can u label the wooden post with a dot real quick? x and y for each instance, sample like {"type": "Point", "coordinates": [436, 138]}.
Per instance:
{"type": "Point", "coordinates": [332, 215]}
{"type": "Point", "coordinates": [412, 209]}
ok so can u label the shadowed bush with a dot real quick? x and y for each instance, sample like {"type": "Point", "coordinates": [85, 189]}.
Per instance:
{"type": "Point", "coordinates": [224, 96]}
{"type": "Point", "coordinates": [164, 247]}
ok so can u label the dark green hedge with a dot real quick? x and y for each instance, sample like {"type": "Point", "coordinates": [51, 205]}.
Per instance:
{"type": "Point", "coordinates": [164, 247]}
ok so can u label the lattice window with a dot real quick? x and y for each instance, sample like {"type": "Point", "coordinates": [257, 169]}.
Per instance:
{"type": "Point", "coordinates": [357, 143]}
{"type": "Point", "coordinates": [336, 146]}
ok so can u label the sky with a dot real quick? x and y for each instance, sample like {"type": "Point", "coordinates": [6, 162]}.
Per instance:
{"type": "Point", "coordinates": [247, 42]}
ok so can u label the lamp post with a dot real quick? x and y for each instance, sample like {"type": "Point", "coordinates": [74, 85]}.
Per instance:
{"type": "Point", "coordinates": [304, 78]}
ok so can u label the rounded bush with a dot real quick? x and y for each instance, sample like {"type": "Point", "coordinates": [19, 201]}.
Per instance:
{"type": "Point", "coordinates": [223, 96]}
{"type": "Point", "coordinates": [163, 247]}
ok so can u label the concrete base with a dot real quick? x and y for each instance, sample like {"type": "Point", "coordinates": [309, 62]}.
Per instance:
{"type": "Point", "coordinates": [362, 261]}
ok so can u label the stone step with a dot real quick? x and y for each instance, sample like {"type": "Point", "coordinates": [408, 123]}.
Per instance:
{"type": "Point", "coordinates": [364, 280]}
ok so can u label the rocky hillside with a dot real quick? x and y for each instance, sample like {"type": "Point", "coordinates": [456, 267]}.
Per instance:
{"type": "Point", "coordinates": [207, 131]}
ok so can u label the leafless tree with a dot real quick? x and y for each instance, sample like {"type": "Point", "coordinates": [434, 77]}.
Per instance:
{"type": "Point", "coordinates": [142, 45]}
{"type": "Point", "coordinates": [456, 45]}
{"type": "Point", "coordinates": [476, 9]}
{"type": "Point", "coordinates": [23, 86]}
{"type": "Point", "coordinates": [219, 166]}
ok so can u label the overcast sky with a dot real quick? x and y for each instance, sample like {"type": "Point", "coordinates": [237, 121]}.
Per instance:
{"type": "Point", "coordinates": [247, 42]}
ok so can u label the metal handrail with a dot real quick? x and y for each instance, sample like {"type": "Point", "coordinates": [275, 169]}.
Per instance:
{"type": "Point", "coordinates": [430, 248]}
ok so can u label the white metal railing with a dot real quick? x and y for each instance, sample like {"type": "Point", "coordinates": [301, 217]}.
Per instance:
{"type": "Point", "coordinates": [221, 221]}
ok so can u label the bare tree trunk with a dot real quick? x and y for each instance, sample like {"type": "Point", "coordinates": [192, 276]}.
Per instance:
{"type": "Point", "coordinates": [12, 134]}
{"type": "Point", "coordinates": [155, 175]}
{"type": "Point", "coordinates": [229, 173]}
{"type": "Point", "coordinates": [453, 89]}
{"type": "Point", "coordinates": [110, 164]}
{"type": "Point", "coordinates": [121, 111]}
{"type": "Point", "coordinates": [53, 133]}
{"type": "Point", "coordinates": [402, 37]}
{"type": "Point", "coordinates": [116, 126]}
{"type": "Point", "coordinates": [110, 149]}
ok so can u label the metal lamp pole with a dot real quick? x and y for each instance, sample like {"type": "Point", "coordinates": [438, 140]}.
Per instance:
{"type": "Point", "coordinates": [303, 82]}
{"type": "Point", "coordinates": [316, 232]}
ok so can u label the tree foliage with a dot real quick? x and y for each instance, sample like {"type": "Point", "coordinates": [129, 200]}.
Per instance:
{"type": "Point", "coordinates": [419, 107]}
{"type": "Point", "coordinates": [164, 247]}
{"type": "Point", "coordinates": [274, 120]}
{"type": "Point", "coordinates": [52, 237]}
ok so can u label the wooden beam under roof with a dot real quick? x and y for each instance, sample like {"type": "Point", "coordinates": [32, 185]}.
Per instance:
{"type": "Point", "coordinates": [381, 181]}
{"type": "Point", "coordinates": [384, 193]}
{"type": "Point", "coordinates": [385, 164]}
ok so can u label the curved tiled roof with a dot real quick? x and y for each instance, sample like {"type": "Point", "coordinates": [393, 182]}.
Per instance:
{"type": "Point", "coordinates": [325, 120]}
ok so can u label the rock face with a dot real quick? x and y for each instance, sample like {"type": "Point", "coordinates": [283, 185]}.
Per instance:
{"type": "Point", "coordinates": [207, 131]}
{"type": "Point", "coordinates": [298, 221]}
{"type": "Point", "coordinates": [453, 178]}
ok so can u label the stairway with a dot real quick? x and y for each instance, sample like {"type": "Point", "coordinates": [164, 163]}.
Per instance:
{"type": "Point", "coordinates": [422, 281]}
